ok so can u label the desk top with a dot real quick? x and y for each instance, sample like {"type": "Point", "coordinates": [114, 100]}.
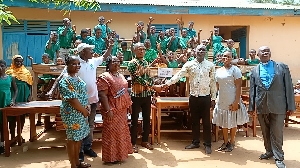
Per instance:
{"type": "Point", "coordinates": [172, 99]}
{"type": "Point", "coordinates": [297, 98]}
{"type": "Point", "coordinates": [38, 104]}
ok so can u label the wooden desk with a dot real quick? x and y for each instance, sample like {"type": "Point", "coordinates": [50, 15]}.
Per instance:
{"type": "Point", "coordinates": [296, 113]}
{"type": "Point", "coordinates": [23, 108]}
{"type": "Point", "coordinates": [163, 102]}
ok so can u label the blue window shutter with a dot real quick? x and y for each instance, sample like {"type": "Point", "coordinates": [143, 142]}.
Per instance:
{"type": "Point", "coordinates": [164, 27]}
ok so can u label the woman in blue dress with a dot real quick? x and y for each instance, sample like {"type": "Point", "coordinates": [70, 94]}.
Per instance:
{"type": "Point", "coordinates": [74, 110]}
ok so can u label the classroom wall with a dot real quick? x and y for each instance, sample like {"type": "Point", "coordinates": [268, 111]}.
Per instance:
{"type": "Point", "coordinates": [279, 33]}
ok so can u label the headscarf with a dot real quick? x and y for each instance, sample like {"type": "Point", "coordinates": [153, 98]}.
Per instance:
{"type": "Point", "coordinates": [21, 73]}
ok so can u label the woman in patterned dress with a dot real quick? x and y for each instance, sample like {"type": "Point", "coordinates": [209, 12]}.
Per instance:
{"type": "Point", "coordinates": [115, 101]}
{"type": "Point", "coordinates": [24, 81]}
{"type": "Point", "coordinates": [229, 111]}
{"type": "Point", "coordinates": [74, 110]}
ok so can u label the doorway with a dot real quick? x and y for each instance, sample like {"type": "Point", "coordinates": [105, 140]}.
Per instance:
{"type": "Point", "coordinates": [240, 35]}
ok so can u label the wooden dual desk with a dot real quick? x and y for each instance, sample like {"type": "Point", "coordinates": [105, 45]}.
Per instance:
{"type": "Point", "coordinates": [31, 108]}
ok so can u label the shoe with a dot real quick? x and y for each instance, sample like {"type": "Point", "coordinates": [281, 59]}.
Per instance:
{"type": "Point", "coordinates": [90, 153]}
{"type": "Point", "coordinates": [135, 149]}
{"type": "Point", "coordinates": [81, 157]}
{"type": "Point", "coordinates": [266, 156]}
{"type": "Point", "coordinates": [192, 146]}
{"type": "Point", "coordinates": [39, 123]}
{"type": "Point", "coordinates": [223, 147]}
{"type": "Point", "coordinates": [229, 147]}
{"type": "Point", "coordinates": [147, 145]}
{"type": "Point", "coordinates": [207, 149]}
{"type": "Point", "coordinates": [2, 149]}
{"type": "Point", "coordinates": [280, 164]}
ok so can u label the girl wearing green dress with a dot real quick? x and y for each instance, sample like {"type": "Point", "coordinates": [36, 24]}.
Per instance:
{"type": "Point", "coordinates": [24, 83]}
{"type": "Point", "coordinates": [7, 83]}
{"type": "Point", "coordinates": [217, 43]}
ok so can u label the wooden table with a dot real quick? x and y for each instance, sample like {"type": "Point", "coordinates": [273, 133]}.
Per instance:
{"type": "Point", "coordinates": [24, 108]}
{"type": "Point", "coordinates": [163, 102]}
{"type": "Point", "coordinates": [296, 113]}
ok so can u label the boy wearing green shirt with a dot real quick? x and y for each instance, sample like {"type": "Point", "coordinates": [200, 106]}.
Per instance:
{"type": "Point", "coordinates": [104, 28]}
{"type": "Point", "coordinates": [143, 35]}
{"type": "Point", "coordinates": [151, 34]}
{"type": "Point", "coordinates": [150, 54]}
{"type": "Point", "coordinates": [83, 36]}
{"type": "Point", "coordinates": [97, 41]}
{"type": "Point", "coordinates": [252, 60]}
{"type": "Point", "coordinates": [230, 48]}
{"type": "Point", "coordinates": [52, 47]}
{"type": "Point", "coordinates": [173, 43]}
{"type": "Point", "coordinates": [184, 39]}
{"type": "Point", "coordinates": [66, 36]}
{"type": "Point", "coordinates": [127, 54]}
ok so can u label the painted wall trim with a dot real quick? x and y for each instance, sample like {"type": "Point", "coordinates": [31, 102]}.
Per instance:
{"type": "Point", "coordinates": [152, 9]}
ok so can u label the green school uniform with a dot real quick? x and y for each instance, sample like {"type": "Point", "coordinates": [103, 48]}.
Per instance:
{"type": "Point", "coordinates": [253, 62]}
{"type": "Point", "coordinates": [115, 47]}
{"type": "Point", "coordinates": [53, 49]}
{"type": "Point", "coordinates": [191, 58]}
{"type": "Point", "coordinates": [86, 40]}
{"type": "Point", "coordinates": [174, 45]}
{"type": "Point", "coordinates": [217, 45]}
{"type": "Point", "coordinates": [125, 63]}
{"type": "Point", "coordinates": [103, 28]}
{"type": "Point", "coordinates": [164, 44]}
{"type": "Point", "coordinates": [127, 54]}
{"type": "Point", "coordinates": [142, 40]}
{"type": "Point", "coordinates": [99, 43]}
{"type": "Point", "coordinates": [183, 41]}
{"type": "Point", "coordinates": [233, 51]}
{"type": "Point", "coordinates": [190, 32]}
{"type": "Point", "coordinates": [153, 39]}
{"type": "Point", "coordinates": [150, 55]}
{"type": "Point", "coordinates": [65, 41]}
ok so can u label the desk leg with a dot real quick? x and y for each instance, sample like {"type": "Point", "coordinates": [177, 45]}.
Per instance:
{"type": "Point", "coordinates": [34, 88]}
{"type": "Point", "coordinates": [158, 122]}
{"type": "Point", "coordinates": [152, 124]}
{"type": "Point", "coordinates": [33, 136]}
{"type": "Point", "coordinates": [6, 134]}
{"type": "Point", "coordinates": [19, 139]}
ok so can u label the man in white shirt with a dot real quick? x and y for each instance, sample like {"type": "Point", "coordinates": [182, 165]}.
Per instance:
{"type": "Point", "coordinates": [201, 75]}
{"type": "Point", "coordinates": [87, 73]}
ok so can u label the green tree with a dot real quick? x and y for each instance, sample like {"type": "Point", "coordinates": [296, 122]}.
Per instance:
{"type": "Point", "coordinates": [7, 16]}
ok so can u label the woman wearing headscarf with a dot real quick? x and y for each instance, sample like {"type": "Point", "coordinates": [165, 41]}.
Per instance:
{"type": "Point", "coordinates": [115, 102]}
{"type": "Point", "coordinates": [24, 83]}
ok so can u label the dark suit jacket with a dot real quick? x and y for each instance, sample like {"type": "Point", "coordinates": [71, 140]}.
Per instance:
{"type": "Point", "coordinates": [279, 98]}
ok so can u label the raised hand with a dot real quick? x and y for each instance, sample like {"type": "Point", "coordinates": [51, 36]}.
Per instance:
{"type": "Point", "coordinates": [74, 28]}
{"type": "Point", "coordinates": [211, 32]}
{"type": "Point", "coordinates": [109, 21]}
{"type": "Point", "coordinates": [151, 19]}
{"type": "Point", "coordinates": [200, 30]}
{"type": "Point", "coordinates": [111, 42]}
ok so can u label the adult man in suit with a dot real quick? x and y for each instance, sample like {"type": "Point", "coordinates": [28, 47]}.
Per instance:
{"type": "Point", "coordinates": [272, 94]}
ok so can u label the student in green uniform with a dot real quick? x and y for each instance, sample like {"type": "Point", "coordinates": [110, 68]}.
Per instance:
{"type": "Point", "coordinates": [83, 36]}
{"type": "Point", "coordinates": [150, 54]}
{"type": "Point", "coordinates": [8, 94]}
{"type": "Point", "coordinates": [104, 28]}
{"type": "Point", "coordinates": [252, 60]}
{"type": "Point", "coordinates": [173, 43]}
{"type": "Point", "coordinates": [219, 60]}
{"type": "Point", "coordinates": [143, 35]}
{"type": "Point", "coordinates": [127, 54]}
{"type": "Point", "coordinates": [208, 45]}
{"type": "Point", "coordinates": [99, 42]}
{"type": "Point", "coordinates": [230, 44]}
{"type": "Point", "coordinates": [52, 47]}
{"type": "Point", "coordinates": [113, 36]}
{"type": "Point", "coordinates": [184, 39]}
{"type": "Point", "coordinates": [151, 33]}
{"type": "Point", "coordinates": [163, 40]}
{"type": "Point", "coordinates": [66, 36]}
{"type": "Point", "coordinates": [24, 81]}
{"type": "Point", "coordinates": [217, 43]}
{"type": "Point", "coordinates": [191, 32]}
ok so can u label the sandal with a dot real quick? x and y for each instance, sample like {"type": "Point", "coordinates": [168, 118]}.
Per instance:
{"type": "Point", "coordinates": [223, 147]}
{"type": "Point", "coordinates": [135, 149]}
{"type": "Point", "coordinates": [83, 165]}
